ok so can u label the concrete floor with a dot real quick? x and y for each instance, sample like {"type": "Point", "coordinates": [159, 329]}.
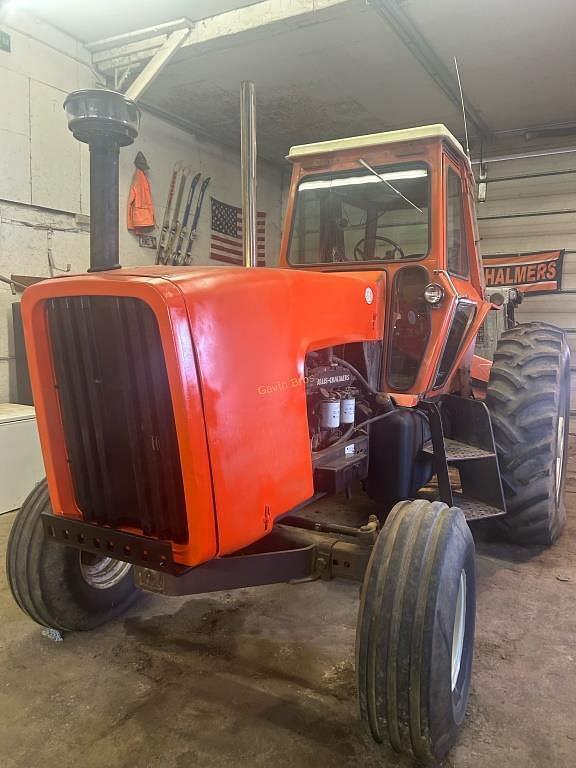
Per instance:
{"type": "Point", "coordinates": [265, 677]}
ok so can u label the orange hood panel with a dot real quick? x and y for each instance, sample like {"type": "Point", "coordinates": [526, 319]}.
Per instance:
{"type": "Point", "coordinates": [251, 330]}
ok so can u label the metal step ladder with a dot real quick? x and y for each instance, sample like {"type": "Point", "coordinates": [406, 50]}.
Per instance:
{"type": "Point", "coordinates": [462, 437]}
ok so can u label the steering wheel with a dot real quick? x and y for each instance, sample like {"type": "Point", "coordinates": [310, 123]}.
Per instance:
{"type": "Point", "coordinates": [360, 252]}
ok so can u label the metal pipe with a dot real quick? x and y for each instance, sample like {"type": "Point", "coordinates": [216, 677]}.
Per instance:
{"type": "Point", "coordinates": [161, 58]}
{"type": "Point", "coordinates": [524, 176]}
{"type": "Point", "coordinates": [139, 34]}
{"type": "Point", "coordinates": [248, 145]}
{"type": "Point", "coordinates": [539, 128]}
{"type": "Point", "coordinates": [524, 155]}
{"type": "Point", "coordinates": [104, 205]}
{"type": "Point", "coordinates": [527, 214]}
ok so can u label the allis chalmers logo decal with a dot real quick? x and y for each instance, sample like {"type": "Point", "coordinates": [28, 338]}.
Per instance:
{"type": "Point", "coordinates": [333, 379]}
{"type": "Point", "coordinates": [530, 272]}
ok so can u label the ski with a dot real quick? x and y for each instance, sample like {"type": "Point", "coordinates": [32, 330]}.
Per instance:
{"type": "Point", "coordinates": [184, 228]}
{"type": "Point", "coordinates": [166, 221]}
{"type": "Point", "coordinates": [194, 227]}
{"type": "Point", "coordinates": [175, 220]}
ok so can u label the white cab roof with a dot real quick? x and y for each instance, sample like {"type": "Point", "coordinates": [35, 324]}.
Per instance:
{"type": "Point", "coordinates": [437, 131]}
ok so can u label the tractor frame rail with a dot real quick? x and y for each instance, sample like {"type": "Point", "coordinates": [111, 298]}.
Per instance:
{"type": "Point", "coordinates": [288, 554]}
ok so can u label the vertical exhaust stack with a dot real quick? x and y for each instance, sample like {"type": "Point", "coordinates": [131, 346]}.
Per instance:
{"type": "Point", "coordinates": [106, 121]}
{"type": "Point", "coordinates": [248, 141]}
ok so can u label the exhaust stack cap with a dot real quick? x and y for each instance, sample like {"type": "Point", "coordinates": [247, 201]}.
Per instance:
{"type": "Point", "coordinates": [98, 113]}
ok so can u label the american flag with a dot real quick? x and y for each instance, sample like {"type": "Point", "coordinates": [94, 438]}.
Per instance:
{"type": "Point", "coordinates": [226, 240]}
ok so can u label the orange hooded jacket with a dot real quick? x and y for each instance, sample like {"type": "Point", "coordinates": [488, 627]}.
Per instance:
{"type": "Point", "coordinates": [140, 212]}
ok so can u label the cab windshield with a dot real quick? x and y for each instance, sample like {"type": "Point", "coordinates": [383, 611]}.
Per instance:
{"type": "Point", "coordinates": [373, 213]}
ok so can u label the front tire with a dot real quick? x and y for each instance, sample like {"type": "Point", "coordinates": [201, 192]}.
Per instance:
{"type": "Point", "coordinates": [58, 586]}
{"type": "Point", "coordinates": [529, 402]}
{"type": "Point", "coordinates": [415, 636]}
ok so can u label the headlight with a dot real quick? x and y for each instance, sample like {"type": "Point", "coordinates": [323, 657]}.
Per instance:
{"type": "Point", "coordinates": [433, 293]}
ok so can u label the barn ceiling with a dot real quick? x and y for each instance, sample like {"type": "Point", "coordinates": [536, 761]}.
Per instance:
{"type": "Point", "coordinates": [347, 70]}
{"type": "Point", "coordinates": [97, 20]}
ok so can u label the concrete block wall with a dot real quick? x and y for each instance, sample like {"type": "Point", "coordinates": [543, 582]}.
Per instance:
{"type": "Point", "coordinates": [44, 172]}
{"type": "Point", "coordinates": [163, 145]}
{"type": "Point", "coordinates": [40, 163]}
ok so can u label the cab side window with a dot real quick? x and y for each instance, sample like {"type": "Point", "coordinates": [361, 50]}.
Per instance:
{"type": "Point", "coordinates": [456, 243]}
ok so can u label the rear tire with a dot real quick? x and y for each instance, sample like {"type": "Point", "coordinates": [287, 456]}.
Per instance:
{"type": "Point", "coordinates": [529, 402]}
{"type": "Point", "coordinates": [415, 636]}
{"type": "Point", "coordinates": [58, 586]}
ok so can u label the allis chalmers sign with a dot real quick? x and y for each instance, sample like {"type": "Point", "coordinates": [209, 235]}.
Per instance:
{"type": "Point", "coordinates": [530, 272]}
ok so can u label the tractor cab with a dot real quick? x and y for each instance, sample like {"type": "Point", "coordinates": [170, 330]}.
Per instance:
{"type": "Point", "coordinates": [401, 202]}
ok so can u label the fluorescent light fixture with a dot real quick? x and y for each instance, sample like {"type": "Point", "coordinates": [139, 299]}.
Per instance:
{"type": "Point", "coordinates": [348, 181]}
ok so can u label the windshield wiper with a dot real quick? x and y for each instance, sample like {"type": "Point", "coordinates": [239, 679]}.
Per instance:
{"type": "Point", "coordinates": [393, 188]}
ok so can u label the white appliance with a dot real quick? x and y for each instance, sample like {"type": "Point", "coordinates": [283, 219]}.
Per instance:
{"type": "Point", "coordinates": [21, 465]}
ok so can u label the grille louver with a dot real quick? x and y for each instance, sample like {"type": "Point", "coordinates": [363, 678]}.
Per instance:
{"type": "Point", "coordinates": [117, 413]}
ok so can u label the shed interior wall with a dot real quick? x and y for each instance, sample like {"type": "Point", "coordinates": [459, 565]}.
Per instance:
{"type": "Point", "coordinates": [44, 171]}
{"type": "Point", "coordinates": [501, 235]}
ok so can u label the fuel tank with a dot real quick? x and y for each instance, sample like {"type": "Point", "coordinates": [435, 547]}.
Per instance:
{"type": "Point", "coordinates": [171, 402]}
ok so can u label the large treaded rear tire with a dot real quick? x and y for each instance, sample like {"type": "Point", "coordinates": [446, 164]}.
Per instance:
{"type": "Point", "coordinates": [47, 579]}
{"type": "Point", "coordinates": [415, 636]}
{"type": "Point", "coordinates": [529, 402]}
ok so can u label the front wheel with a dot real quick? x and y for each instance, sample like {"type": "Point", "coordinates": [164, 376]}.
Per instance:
{"type": "Point", "coordinates": [58, 586]}
{"type": "Point", "coordinates": [415, 635]}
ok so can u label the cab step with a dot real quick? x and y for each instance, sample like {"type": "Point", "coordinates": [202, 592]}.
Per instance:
{"type": "Point", "coordinates": [458, 451]}
{"type": "Point", "coordinates": [464, 457]}
{"type": "Point", "coordinates": [475, 510]}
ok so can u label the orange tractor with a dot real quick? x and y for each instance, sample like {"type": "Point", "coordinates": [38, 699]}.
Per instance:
{"type": "Point", "coordinates": [189, 416]}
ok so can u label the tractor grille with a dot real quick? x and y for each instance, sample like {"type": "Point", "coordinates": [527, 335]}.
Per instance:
{"type": "Point", "coordinates": [117, 414]}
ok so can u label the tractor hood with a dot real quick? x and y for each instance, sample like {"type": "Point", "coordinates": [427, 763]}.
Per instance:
{"type": "Point", "coordinates": [234, 342]}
